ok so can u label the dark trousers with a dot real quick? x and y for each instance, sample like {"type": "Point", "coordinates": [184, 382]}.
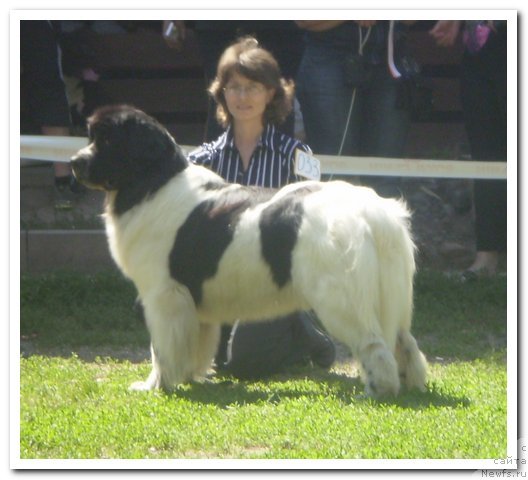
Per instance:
{"type": "Point", "coordinates": [483, 91]}
{"type": "Point", "coordinates": [256, 350]}
{"type": "Point", "coordinates": [42, 87]}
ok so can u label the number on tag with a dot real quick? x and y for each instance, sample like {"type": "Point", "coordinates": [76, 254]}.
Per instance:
{"type": "Point", "coordinates": [307, 165]}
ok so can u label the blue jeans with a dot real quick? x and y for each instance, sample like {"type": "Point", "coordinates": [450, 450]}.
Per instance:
{"type": "Point", "coordinates": [378, 124]}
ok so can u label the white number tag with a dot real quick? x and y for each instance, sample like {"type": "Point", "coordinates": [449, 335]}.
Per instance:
{"type": "Point", "coordinates": [307, 165]}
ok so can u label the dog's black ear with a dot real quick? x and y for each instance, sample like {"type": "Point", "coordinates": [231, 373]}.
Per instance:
{"type": "Point", "coordinates": [151, 146]}
{"type": "Point", "coordinates": [134, 155]}
{"type": "Point", "coordinates": [146, 157]}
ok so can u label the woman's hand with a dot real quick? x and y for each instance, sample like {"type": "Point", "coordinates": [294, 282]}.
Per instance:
{"type": "Point", "coordinates": [173, 32]}
{"type": "Point", "coordinates": [366, 23]}
{"type": "Point", "coordinates": [318, 25]}
{"type": "Point", "coordinates": [445, 32]}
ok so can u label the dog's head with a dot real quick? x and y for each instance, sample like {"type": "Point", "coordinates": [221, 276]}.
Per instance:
{"type": "Point", "coordinates": [127, 148]}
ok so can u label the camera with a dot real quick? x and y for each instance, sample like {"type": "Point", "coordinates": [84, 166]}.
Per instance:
{"type": "Point", "coordinates": [407, 66]}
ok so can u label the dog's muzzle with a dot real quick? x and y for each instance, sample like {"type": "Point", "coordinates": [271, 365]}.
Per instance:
{"type": "Point", "coordinates": [79, 163]}
{"type": "Point", "coordinates": [79, 167]}
{"type": "Point", "coordinates": [82, 167]}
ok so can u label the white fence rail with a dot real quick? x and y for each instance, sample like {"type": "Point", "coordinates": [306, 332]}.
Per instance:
{"type": "Point", "coordinates": [61, 149]}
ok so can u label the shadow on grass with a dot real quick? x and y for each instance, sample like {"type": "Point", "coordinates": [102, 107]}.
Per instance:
{"type": "Point", "coordinates": [460, 321]}
{"type": "Point", "coordinates": [66, 312]}
{"type": "Point", "coordinates": [130, 353]}
{"type": "Point", "coordinates": [226, 392]}
{"type": "Point", "coordinates": [452, 321]}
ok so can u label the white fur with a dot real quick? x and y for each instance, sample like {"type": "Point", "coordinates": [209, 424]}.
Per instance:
{"type": "Point", "coordinates": [353, 264]}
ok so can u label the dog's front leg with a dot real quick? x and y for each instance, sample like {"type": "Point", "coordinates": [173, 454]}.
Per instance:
{"type": "Point", "coordinates": [174, 334]}
{"type": "Point", "coordinates": [153, 380]}
{"type": "Point", "coordinates": [208, 340]}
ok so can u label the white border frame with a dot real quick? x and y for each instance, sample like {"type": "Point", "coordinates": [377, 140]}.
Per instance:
{"type": "Point", "coordinates": [14, 280]}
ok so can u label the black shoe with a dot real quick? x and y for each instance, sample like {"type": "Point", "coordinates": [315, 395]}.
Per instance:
{"type": "Point", "coordinates": [67, 190]}
{"type": "Point", "coordinates": [320, 346]}
{"type": "Point", "coordinates": [63, 198]}
{"type": "Point", "coordinates": [471, 275]}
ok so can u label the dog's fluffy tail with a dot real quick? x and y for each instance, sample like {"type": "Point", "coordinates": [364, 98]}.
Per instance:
{"type": "Point", "coordinates": [389, 224]}
{"type": "Point", "coordinates": [391, 229]}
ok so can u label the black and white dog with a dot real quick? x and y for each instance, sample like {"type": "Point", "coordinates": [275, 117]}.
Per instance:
{"type": "Point", "coordinates": [203, 252]}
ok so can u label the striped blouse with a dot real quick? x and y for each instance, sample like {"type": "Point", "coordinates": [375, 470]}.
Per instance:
{"type": "Point", "coordinates": [271, 165]}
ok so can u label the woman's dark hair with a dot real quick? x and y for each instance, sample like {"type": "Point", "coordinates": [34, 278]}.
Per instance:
{"type": "Point", "coordinates": [248, 59]}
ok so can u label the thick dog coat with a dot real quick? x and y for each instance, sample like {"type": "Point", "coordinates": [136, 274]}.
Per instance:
{"type": "Point", "coordinates": [203, 252]}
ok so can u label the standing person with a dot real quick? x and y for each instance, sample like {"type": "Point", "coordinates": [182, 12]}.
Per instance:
{"type": "Point", "coordinates": [351, 104]}
{"type": "Point", "coordinates": [483, 95]}
{"type": "Point", "coordinates": [252, 99]}
{"type": "Point", "coordinates": [45, 95]}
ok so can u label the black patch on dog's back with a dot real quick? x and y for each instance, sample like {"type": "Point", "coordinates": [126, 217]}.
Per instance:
{"type": "Point", "coordinates": [203, 238]}
{"type": "Point", "coordinates": [279, 228]}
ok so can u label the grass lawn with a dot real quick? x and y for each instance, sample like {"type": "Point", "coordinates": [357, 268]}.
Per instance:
{"type": "Point", "coordinates": [76, 405]}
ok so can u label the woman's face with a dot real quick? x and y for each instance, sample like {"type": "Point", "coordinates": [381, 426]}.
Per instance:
{"type": "Point", "coordinates": [246, 99]}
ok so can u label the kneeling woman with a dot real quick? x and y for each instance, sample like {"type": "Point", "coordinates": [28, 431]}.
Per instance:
{"type": "Point", "coordinates": [252, 99]}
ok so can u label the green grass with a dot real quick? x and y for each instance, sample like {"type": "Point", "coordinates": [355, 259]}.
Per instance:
{"type": "Point", "coordinates": [69, 309]}
{"type": "Point", "coordinates": [75, 408]}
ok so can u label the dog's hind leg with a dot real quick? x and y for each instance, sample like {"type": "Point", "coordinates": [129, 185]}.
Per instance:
{"type": "Point", "coordinates": [365, 340]}
{"type": "Point", "coordinates": [396, 307]}
{"type": "Point", "coordinates": [379, 368]}
{"type": "Point", "coordinates": [412, 364]}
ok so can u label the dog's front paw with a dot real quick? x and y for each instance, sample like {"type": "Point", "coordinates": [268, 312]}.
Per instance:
{"type": "Point", "coordinates": [151, 383]}
{"type": "Point", "coordinates": [140, 386]}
